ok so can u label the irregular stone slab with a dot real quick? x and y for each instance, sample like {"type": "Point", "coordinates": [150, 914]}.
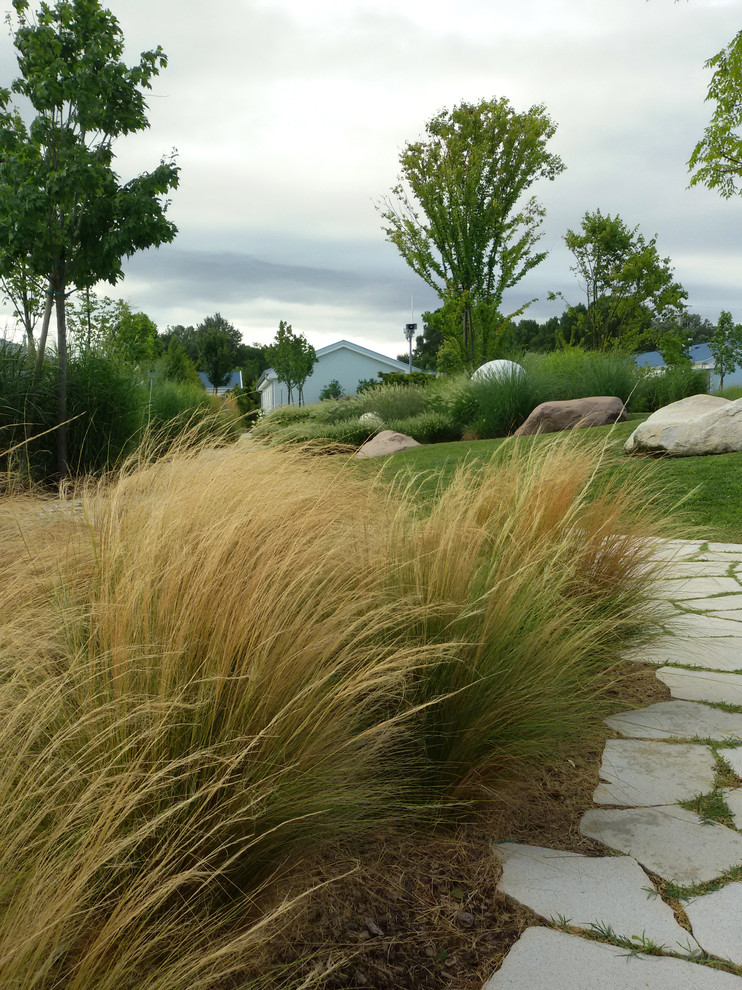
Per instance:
{"type": "Point", "coordinates": [694, 626]}
{"type": "Point", "coordinates": [669, 719]}
{"type": "Point", "coordinates": [698, 568]}
{"type": "Point", "coordinates": [386, 442]}
{"type": "Point", "coordinates": [667, 840]}
{"type": "Point", "coordinates": [720, 604]}
{"type": "Point", "coordinates": [702, 685]}
{"type": "Point", "coordinates": [716, 920]}
{"type": "Point", "coordinates": [609, 890]}
{"type": "Point", "coordinates": [733, 798]}
{"type": "Point", "coordinates": [734, 758]}
{"type": "Point", "coordinates": [639, 773]}
{"type": "Point", "coordinates": [706, 651]}
{"type": "Point", "coordinates": [695, 587]}
{"type": "Point", "coordinates": [570, 414]}
{"type": "Point", "coordinates": [700, 424]}
{"type": "Point", "coordinates": [726, 548]}
{"type": "Point", "coordinates": [675, 549]}
{"type": "Point", "coordinates": [543, 959]}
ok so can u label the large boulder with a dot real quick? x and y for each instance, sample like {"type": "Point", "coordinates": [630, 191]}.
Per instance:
{"type": "Point", "coordinates": [497, 370]}
{"type": "Point", "coordinates": [386, 442]}
{"type": "Point", "coordinates": [550, 417]}
{"type": "Point", "coordinates": [700, 424]}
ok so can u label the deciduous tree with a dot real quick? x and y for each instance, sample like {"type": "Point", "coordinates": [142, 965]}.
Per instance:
{"type": "Point", "coordinates": [457, 214]}
{"type": "Point", "coordinates": [726, 346]}
{"type": "Point", "coordinates": [716, 161]}
{"type": "Point", "coordinates": [63, 208]}
{"type": "Point", "coordinates": [293, 359]}
{"type": "Point", "coordinates": [625, 281]}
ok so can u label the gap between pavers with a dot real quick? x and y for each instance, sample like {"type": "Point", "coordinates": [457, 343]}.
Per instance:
{"type": "Point", "coordinates": [678, 719]}
{"type": "Point", "coordinates": [584, 890]}
{"type": "Point", "coordinates": [647, 773]}
{"type": "Point", "coordinates": [543, 959]}
{"type": "Point", "coordinates": [670, 841]}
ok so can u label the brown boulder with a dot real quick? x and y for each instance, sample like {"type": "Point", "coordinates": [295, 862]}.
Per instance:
{"type": "Point", "coordinates": [386, 442]}
{"type": "Point", "coordinates": [550, 417]}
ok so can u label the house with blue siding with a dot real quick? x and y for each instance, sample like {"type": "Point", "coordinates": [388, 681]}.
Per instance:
{"type": "Point", "coordinates": [702, 358]}
{"type": "Point", "coordinates": [343, 361]}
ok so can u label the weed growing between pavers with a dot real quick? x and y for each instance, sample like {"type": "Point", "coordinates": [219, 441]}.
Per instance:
{"type": "Point", "coordinates": [710, 807]}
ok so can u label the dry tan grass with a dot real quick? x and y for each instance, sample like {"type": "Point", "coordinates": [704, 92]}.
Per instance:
{"type": "Point", "coordinates": [228, 659]}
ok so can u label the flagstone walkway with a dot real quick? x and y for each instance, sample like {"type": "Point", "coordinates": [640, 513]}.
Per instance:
{"type": "Point", "coordinates": [670, 752]}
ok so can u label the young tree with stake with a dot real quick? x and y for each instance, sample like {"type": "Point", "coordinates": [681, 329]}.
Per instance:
{"type": "Point", "coordinates": [63, 208]}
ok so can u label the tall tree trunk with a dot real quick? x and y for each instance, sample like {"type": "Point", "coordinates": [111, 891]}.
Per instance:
{"type": "Point", "coordinates": [62, 468]}
{"type": "Point", "coordinates": [44, 333]}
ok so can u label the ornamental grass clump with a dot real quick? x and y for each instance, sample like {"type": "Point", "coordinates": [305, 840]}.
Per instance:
{"type": "Point", "coordinates": [540, 574]}
{"type": "Point", "coordinates": [228, 659]}
{"type": "Point", "coordinates": [199, 679]}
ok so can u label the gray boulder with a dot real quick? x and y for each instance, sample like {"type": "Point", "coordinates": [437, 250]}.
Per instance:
{"type": "Point", "coordinates": [386, 442]}
{"type": "Point", "coordinates": [550, 417]}
{"type": "Point", "coordinates": [700, 424]}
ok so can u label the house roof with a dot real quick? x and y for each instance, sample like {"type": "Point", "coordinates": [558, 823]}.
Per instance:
{"type": "Point", "coordinates": [697, 352]}
{"type": "Point", "coordinates": [348, 345]}
{"type": "Point", "coordinates": [394, 365]}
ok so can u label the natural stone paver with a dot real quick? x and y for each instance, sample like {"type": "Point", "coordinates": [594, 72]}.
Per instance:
{"type": "Point", "coordinates": [699, 587]}
{"type": "Point", "coordinates": [667, 840]}
{"type": "Point", "coordinates": [702, 685]}
{"type": "Point", "coordinates": [668, 719]}
{"type": "Point", "coordinates": [692, 626]}
{"type": "Point", "coordinates": [728, 602]}
{"type": "Point", "coordinates": [543, 959]}
{"type": "Point", "coordinates": [713, 567]}
{"type": "Point", "coordinates": [733, 798]}
{"type": "Point", "coordinates": [706, 652]}
{"type": "Point", "coordinates": [733, 758]}
{"type": "Point", "coordinates": [641, 771]}
{"type": "Point", "coordinates": [670, 549]}
{"type": "Point", "coordinates": [653, 773]}
{"type": "Point", "coordinates": [609, 890]}
{"type": "Point", "coordinates": [735, 548]}
{"type": "Point", "coordinates": [716, 920]}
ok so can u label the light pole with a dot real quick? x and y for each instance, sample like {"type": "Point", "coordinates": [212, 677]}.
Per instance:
{"type": "Point", "coordinates": [409, 332]}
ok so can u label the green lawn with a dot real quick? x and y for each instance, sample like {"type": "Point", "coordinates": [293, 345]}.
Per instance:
{"type": "Point", "coordinates": [705, 491]}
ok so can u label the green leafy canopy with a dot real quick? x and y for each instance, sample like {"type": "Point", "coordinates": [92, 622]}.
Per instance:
{"type": "Point", "coordinates": [457, 215]}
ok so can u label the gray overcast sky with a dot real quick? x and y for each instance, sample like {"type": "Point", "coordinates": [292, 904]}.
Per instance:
{"type": "Point", "coordinates": [289, 116]}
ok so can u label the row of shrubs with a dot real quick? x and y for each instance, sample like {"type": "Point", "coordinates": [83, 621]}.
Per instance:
{"type": "Point", "coordinates": [450, 408]}
{"type": "Point", "coordinates": [110, 407]}
{"type": "Point", "coordinates": [207, 675]}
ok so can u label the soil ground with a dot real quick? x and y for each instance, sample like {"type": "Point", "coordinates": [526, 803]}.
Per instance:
{"type": "Point", "coordinates": [423, 911]}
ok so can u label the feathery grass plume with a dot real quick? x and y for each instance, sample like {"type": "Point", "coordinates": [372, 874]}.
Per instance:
{"type": "Point", "coordinates": [229, 656]}
{"type": "Point", "coordinates": [541, 574]}
{"type": "Point", "coordinates": [226, 691]}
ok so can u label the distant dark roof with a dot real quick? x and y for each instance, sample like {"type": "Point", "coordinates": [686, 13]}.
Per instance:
{"type": "Point", "coordinates": [698, 352]}
{"type": "Point", "coordinates": [234, 381]}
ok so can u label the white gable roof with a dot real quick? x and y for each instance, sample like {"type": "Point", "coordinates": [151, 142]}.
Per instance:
{"type": "Point", "coordinates": [350, 346]}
